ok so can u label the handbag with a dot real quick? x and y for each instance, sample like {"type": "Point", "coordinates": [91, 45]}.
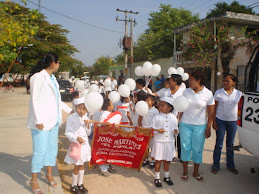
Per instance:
{"type": "Point", "coordinates": [75, 151]}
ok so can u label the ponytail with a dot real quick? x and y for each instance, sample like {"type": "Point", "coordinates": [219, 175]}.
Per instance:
{"type": "Point", "coordinates": [44, 63]}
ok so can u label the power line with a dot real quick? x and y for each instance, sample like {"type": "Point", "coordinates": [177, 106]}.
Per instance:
{"type": "Point", "coordinates": [77, 20]}
{"type": "Point", "coordinates": [253, 4]}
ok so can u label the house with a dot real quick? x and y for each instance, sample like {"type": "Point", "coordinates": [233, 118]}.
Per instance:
{"type": "Point", "coordinates": [213, 72]}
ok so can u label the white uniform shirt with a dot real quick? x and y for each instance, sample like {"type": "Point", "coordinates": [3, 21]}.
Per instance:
{"type": "Point", "coordinates": [147, 121]}
{"type": "Point", "coordinates": [196, 114]}
{"type": "Point", "coordinates": [76, 127]}
{"type": "Point", "coordinates": [113, 84]}
{"type": "Point", "coordinates": [169, 123]}
{"type": "Point", "coordinates": [227, 104]}
{"type": "Point", "coordinates": [167, 93]}
{"type": "Point", "coordinates": [116, 118]}
{"type": "Point", "coordinates": [123, 108]}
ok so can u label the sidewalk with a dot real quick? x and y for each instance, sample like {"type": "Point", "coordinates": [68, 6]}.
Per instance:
{"type": "Point", "coordinates": [16, 146]}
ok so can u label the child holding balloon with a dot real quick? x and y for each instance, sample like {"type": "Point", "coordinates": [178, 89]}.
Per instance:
{"type": "Point", "coordinates": [147, 122]}
{"type": "Point", "coordinates": [163, 149]}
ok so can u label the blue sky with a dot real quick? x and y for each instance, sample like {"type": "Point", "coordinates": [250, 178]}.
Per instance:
{"type": "Point", "coordinates": [94, 42]}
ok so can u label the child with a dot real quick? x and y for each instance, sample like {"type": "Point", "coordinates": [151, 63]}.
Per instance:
{"type": "Point", "coordinates": [140, 95]}
{"type": "Point", "coordinates": [123, 106]}
{"type": "Point", "coordinates": [147, 122]}
{"type": "Point", "coordinates": [108, 116]}
{"type": "Point", "coordinates": [77, 131]}
{"type": "Point", "coordinates": [164, 147]}
{"type": "Point", "coordinates": [75, 96]}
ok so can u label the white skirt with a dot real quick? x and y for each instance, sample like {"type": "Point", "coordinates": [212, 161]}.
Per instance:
{"type": "Point", "coordinates": [163, 151]}
{"type": "Point", "coordinates": [85, 155]}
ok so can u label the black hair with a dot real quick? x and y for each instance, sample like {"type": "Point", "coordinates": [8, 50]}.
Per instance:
{"type": "Point", "coordinates": [75, 94]}
{"type": "Point", "coordinates": [122, 99]}
{"type": "Point", "coordinates": [171, 106]}
{"type": "Point", "coordinates": [232, 76]}
{"type": "Point", "coordinates": [141, 82]}
{"type": "Point", "coordinates": [198, 76]}
{"type": "Point", "coordinates": [106, 103]}
{"type": "Point", "coordinates": [100, 84]}
{"type": "Point", "coordinates": [141, 95]}
{"type": "Point", "coordinates": [152, 98]}
{"type": "Point", "coordinates": [177, 78]}
{"type": "Point", "coordinates": [167, 80]}
{"type": "Point", "coordinates": [44, 63]}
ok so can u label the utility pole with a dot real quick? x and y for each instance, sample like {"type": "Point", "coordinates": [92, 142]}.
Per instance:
{"type": "Point", "coordinates": [39, 6]}
{"type": "Point", "coordinates": [127, 42]}
{"type": "Point", "coordinates": [132, 42]}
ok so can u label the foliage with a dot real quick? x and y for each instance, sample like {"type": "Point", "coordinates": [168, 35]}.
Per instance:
{"type": "Point", "coordinates": [203, 46]}
{"type": "Point", "coordinates": [157, 41]}
{"type": "Point", "coordinates": [235, 6]}
{"type": "Point", "coordinates": [17, 29]}
{"type": "Point", "coordinates": [101, 66]}
{"type": "Point", "coordinates": [48, 38]}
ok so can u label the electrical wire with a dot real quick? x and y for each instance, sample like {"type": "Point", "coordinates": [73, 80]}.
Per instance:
{"type": "Point", "coordinates": [77, 20]}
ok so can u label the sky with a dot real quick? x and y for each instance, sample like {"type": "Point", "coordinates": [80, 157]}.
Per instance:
{"type": "Point", "coordinates": [103, 40]}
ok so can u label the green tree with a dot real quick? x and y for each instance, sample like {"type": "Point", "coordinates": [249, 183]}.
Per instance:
{"type": "Point", "coordinates": [235, 6]}
{"type": "Point", "coordinates": [48, 38]}
{"type": "Point", "coordinates": [157, 41]}
{"type": "Point", "coordinates": [101, 66]}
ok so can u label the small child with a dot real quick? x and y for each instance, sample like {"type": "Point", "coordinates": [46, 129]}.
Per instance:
{"type": "Point", "coordinates": [164, 147]}
{"type": "Point", "coordinates": [123, 106]}
{"type": "Point", "coordinates": [77, 131]}
{"type": "Point", "coordinates": [147, 122]}
{"type": "Point", "coordinates": [75, 95]}
{"type": "Point", "coordinates": [107, 116]}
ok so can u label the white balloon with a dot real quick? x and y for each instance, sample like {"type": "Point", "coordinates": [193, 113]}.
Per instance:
{"type": "Point", "coordinates": [141, 108]}
{"type": "Point", "coordinates": [131, 83]}
{"type": "Point", "coordinates": [147, 68]}
{"type": "Point", "coordinates": [185, 76]}
{"type": "Point", "coordinates": [93, 102]}
{"type": "Point", "coordinates": [172, 70]}
{"type": "Point", "coordinates": [114, 96]}
{"type": "Point", "coordinates": [181, 103]}
{"type": "Point", "coordinates": [180, 70]}
{"type": "Point", "coordinates": [155, 70]}
{"type": "Point", "coordinates": [139, 71]}
{"type": "Point", "coordinates": [80, 85]}
{"type": "Point", "coordinates": [101, 81]}
{"type": "Point", "coordinates": [107, 82]}
{"type": "Point", "coordinates": [93, 88]}
{"type": "Point", "coordinates": [107, 89]}
{"type": "Point", "coordinates": [124, 90]}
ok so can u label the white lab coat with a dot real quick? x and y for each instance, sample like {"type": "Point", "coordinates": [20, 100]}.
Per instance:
{"type": "Point", "coordinates": [43, 103]}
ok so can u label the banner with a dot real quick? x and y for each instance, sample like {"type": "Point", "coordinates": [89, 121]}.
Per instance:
{"type": "Point", "coordinates": [115, 146]}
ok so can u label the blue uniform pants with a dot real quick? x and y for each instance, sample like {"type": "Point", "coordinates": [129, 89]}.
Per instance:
{"type": "Point", "coordinates": [192, 141]}
{"type": "Point", "coordinates": [45, 148]}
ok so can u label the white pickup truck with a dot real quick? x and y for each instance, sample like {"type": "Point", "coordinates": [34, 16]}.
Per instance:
{"type": "Point", "coordinates": [248, 129]}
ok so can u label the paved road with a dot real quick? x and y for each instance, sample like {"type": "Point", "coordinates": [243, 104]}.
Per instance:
{"type": "Point", "coordinates": [16, 146]}
{"type": "Point", "coordinates": [16, 150]}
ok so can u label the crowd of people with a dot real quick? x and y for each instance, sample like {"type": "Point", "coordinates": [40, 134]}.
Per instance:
{"type": "Point", "coordinates": [185, 131]}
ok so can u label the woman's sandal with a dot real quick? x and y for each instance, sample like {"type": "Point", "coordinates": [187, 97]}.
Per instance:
{"type": "Point", "coordinates": [36, 191]}
{"type": "Point", "coordinates": [51, 183]}
{"type": "Point", "coordinates": [199, 178]}
{"type": "Point", "coordinates": [234, 171]}
{"type": "Point", "coordinates": [185, 178]}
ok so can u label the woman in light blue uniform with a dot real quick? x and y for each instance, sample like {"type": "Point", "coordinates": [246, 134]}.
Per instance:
{"type": "Point", "coordinates": [45, 118]}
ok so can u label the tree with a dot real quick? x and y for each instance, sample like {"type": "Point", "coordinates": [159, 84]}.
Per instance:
{"type": "Point", "coordinates": [235, 6]}
{"type": "Point", "coordinates": [17, 29]}
{"type": "Point", "coordinates": [48, 38]}
{"type": "Point", "coordinates": [101, 66]}
{"type": "Point", "coordinates": [157, 41]}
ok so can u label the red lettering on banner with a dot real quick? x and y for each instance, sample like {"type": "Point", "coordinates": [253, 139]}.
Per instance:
{"type": "Point", "coordinates": [119, 147]}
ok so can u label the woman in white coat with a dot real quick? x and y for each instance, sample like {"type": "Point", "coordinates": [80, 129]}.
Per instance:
{"type": "Point", "coordinates": [44, 118]}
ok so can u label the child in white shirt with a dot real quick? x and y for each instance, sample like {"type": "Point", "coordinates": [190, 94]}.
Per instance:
{"type": "Point", "coordinates": [164, 147]}
{"type": "Point", "coordinates": [147, 122]}
{"type": "Point", "coordinates": [77, 131]}
{"type": "Point", "coordinates": [107, 116]}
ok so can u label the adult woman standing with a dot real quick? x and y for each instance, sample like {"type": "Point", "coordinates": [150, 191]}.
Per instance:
{"type": "Point", "coordinates": [45, 118]}
{"type": "Point", "coordinates": [226, 106]}
{"type": "Point", "coordinates": [195, 123]}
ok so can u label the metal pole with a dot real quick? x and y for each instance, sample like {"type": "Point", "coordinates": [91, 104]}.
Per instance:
{"type": "Point", "coordinates": [174, 55]}
{"type": "Point", "coordinates": [126, 52]}
{"type": "Point", "coordinates": [39, 7]}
